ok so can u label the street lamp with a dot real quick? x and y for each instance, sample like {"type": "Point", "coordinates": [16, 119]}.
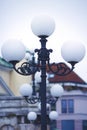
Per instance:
{"type": "Point", "coordinates": [43, 27]}
{"type": "Point", "coordinates": [30, 93]}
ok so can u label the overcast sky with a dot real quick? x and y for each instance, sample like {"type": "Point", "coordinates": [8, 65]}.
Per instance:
{"type": "Point", "coordinates": [70, 18]}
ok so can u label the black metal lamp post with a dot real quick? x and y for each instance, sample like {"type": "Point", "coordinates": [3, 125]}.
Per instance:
{"type": "Point", "coordinates": [43, 27]}
{"type": "Point", "coordinates": [32, 61]}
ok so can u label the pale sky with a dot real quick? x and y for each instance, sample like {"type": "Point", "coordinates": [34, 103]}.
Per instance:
{"type": "Point", "coordinates": [70, 18]}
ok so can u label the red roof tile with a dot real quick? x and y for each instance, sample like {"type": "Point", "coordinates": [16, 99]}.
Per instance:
{"type": "Point", "coordinates": [72, 77]}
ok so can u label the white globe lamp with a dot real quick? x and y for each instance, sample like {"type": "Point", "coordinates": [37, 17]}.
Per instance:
{"type": "Point", "coordinates": [73, 51]}
{"type": "Point", "coordinates": [32, 116]}
{"type": "Point", "coordinates": [26, 90]}
{"type": "Point", "coordinates": [13, 50]}
{"type": "Point", "coordinates": [53, 115]}
{"type": "Point", "coordinates": [42, 25]}
{"type": "Point", "coordinates": [57, 90]}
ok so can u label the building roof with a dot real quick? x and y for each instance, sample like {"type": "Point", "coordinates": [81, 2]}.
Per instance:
{"type": "Point", "coordinates": [70, 78]}
{"type": "Point", "coordinates": [5, 65]}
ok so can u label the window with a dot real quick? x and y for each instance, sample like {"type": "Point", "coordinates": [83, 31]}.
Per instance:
{"type": "Point", "coordinates": [70, 106]}
{"type": "Point", "coordinates": [67, 105]}
{"type": "Point", "coordinates": [84, 124]}
{"type": "Point", "coordinates": [67, 124]}
{"type": "Point", "coordinates": [64, 106]}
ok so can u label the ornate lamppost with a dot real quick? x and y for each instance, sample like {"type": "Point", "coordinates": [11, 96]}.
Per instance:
{"type": "Point", "coordinates": [13, 52]}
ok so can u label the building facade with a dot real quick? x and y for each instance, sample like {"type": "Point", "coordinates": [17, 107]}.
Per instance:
{"type": "Point", "coordinates": [72, 111]}
{"type": "Point", "coordinates": [10, 79]}
{"type": "Point", "coordinates": [13, 114]}
{"type": "Point", "coordinates": [72, 106]}
{"type": "Point", "coordinates": [13, 108]}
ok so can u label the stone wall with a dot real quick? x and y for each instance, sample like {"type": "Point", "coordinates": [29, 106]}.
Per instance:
{"type": "Point", "coordinates": [13, 114]}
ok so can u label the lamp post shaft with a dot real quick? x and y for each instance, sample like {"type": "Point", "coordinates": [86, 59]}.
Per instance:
{"type": "Point", "coordinates": [43, 96]}
{"type": "Point", "coordinates": [33, 76]}
{"type": "Point", "coordinates": [43, 58]}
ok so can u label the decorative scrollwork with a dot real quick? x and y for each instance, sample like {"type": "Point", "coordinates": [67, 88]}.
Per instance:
{"type": "Point", "coordinates": [27, 68]}
{"type": "Point", "coordinates": [34, 99]}
{"type": "Point", "coordinates": [61, 68]}
{"type": "Point", "coordinates": [51, 100]}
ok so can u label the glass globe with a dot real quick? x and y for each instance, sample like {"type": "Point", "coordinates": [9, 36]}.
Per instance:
{"type": "Point", "coordinates": [32, 116]}
{"type": "Point", "coordinates": [73, 51]}
{"type": "Point", "coordinates": [57, 90]}
{"type": "Point", "coordinates": [42, 25]}
{"type": "Point", "coordinates": [26, 90]}
{"type": "Point", "coordinates": [13, 50]}
{"type": "Point", "coordinates": [53, 115]}
{"type": "Point", "coordinates": [38, 77]}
